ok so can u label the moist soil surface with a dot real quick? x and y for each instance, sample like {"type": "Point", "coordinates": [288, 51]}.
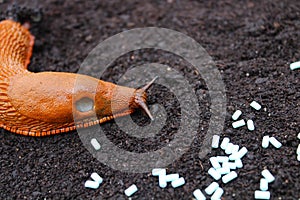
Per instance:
{"type": "Point", "coordinates": [252, 44]}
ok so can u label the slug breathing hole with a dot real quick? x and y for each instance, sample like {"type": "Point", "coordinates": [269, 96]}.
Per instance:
{"type": "Point", "coordinates": [84, 104]}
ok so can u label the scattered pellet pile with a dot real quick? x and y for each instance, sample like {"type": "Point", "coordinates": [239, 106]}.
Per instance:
{"type": "Point", "coordinates": [222, 167]}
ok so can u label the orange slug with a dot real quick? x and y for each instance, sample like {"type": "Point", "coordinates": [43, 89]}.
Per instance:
{"type": "Point", "coordinates": [46, 103]}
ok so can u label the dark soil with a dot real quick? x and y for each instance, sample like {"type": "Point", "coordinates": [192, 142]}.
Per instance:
{"type": "Point", "coordinates": [252, 43]}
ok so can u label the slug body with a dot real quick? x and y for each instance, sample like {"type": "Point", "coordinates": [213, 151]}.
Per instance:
{"type": "Point", "coordinates": [46, 103]}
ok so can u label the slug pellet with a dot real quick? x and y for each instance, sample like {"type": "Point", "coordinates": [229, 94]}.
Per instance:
{"type": "Point", "coordinates": [217, 194]}
{"type": "Point", "coordinates": [131, 190]}
{"type": "Point", "coordinates": [267, 175]}
{"type": "Point", "coordinates": [162, 181]}
{"type": "Point", "coordinates": [230, 165]}
{"type": "Point", "coordinates": [224, 143]}
{"type": "Point", "coordinates": [238, 163]}
{"type": "Point", "coordinates": [96, 177]}
{"type": "Point", "coordinates": [229, 148]}
{"type": "Point", "coordinates": [223, 170]}
{"type": "Point", "coordinates": [91, 184]}
{"type": "Point", "coordinates": [263, 184]}
{"type": "Point", "coordinates": [250, 125]}
{"type": "Point", "coordinates": [236, 114]}
{"type": "Point", "coordinates": [214, 162]}
{"type": "Point", "coordinates": [199, 195]}
{"type": "Point", "coordinates": [95, 144]}
{"type": "Point", "coordinates": [215, 141]}
{"type": "Point", "coordinates": [211, 188]}
{"type": "Point", "coordinates": [298, 136]}
{"type": "Point", "coordinates": [265, 141]}
{"type": "Point", "coordinates": [262, 194]}
{"type": "Point", "coordinates": [235, 148]}
{"type": "Point", "coordinates": [275, 142]}
{"type": "Point", "coordinates": [239, 123]}
{"type": "Point", "coordinates": [222, 159]}
{"type": "Point", "coordinates": [229, 177]}
{"type": "Point", "coordinates": [255, 105]}
{"type": "Point", "coordinates": [298, 149]}
{"type": "Point", "coordinates": [158, 171]}
{"type": "Point", "coordinates": [161, 173]}
{"type": "Point", "coordinates": [295, 65]}
{"type": "Point", "coordinates": [171, 177]}
{"type": "Point", "coordinates": [215, 174]}
{"type": "Point", "coordinates": [178, 182]}
{"type": "Point", "coordinates": [239, 155]}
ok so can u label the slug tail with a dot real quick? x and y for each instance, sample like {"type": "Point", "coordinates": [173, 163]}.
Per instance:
{"type": "Point", "coordinates": [16, 45]}
{"type": "Point", "coordinates": [16, 48]}
{"type": "Point", "coordinates": [26, 26]}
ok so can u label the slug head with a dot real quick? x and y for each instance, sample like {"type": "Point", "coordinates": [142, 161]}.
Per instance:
{"type": "Point", "coordinates": [110, 101]}
{"type": "Point", "coordinates": [139, 100]}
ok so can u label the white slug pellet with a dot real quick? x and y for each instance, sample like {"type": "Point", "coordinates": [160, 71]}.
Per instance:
{"type": "Point", "coordinates": [238, 163]}
{"type": "Point", "coordinates": [162, 181]}
{"type": "Point", "coordinates": [131, 190]}
{"type": "Point", "coordinates": [250, 125]}
{"type": "Point", "coordinates": [158, 171]}
{"type": "Point", "coordinates": [238, 155]}
{"type": "Point", "coordinates": [229, 177]}
{"type": "Point", "coordinates": [95, 144]}
{"type": "Point", "coordinates": [171, 177]}
{"type": "Point", "coordinates": [217, 194]}
{"type": "Point", "coordinates": [211, 188]}
{"type": "Point", "coordinates": [263, 185]}
{"type": "Point", "coordinates": [96, 177]}
{"type": "Point", "coordinates": [298, 149]}
{"type": "Point", "coordinates": [199, 195]}
{"type": "Point", "coordinates": [298, 157]}
{"type": "Point", "coordinates": [298, 136]}
{"type": "Point", "coordinates": [91, 184]}
{"type": "Point", "coordinates": [214, 173]}
{"type": "Point", "coordinates": [267, 175]}
{"type": "Point", "coordinates": [235, 148]}
{"type": "Point", "coordinates": [215, 141]}
{"type": "Point", "coordinates": [242, 152]}
{"type": "Point", "coordinates": [214, 162]}
{"type": "Point", "coordinates": [265, 141]}
{"type": "Point", "coordinates": [239, 123]}
{"type": "Point", "coordinates": [275, 142]}
{"type": "Point", "coordinates": [223, 170]}
{"type": "Point", "coordinates": [262, 194]}
{"type": "Point", "coordinates": [233, 156]}
{"type": "Point", "coordinates": [255, 105]}
{"type": "Point", "coordinates": [229, 148]}
{"type": "Point", "coordinates": [224, 143]}
{"type": "Point", "coordinates": [295, 65]}
{"type": "Point", "coordinates": [230, 165]}
{"type": "Point", "coordinates": [178, 182]}
{"type": "Point", "coordinates": [236, 114]}
{"type": "Point", "coordinates": [222, 159]}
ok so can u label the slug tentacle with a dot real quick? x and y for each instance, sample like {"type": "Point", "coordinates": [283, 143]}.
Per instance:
{"type": "Point", "coordinates": [140, 97]}
{"type": "Point", "coordinates": [47, 103]}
